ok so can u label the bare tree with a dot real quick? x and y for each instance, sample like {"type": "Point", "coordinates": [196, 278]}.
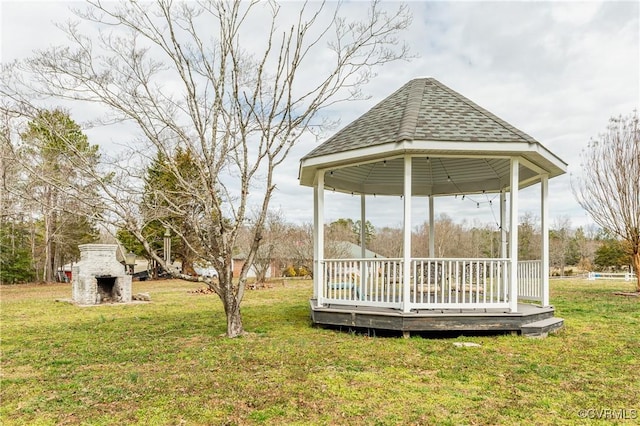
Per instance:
{"type": "Point", "coordinates": [388, 242]}
{"type": "Point", "coordinates": [236, 83]}
{"type": "Point", "coordinates": [560, 236]}
{"type": "Point", "coordinates": [298, 252]}
{"type": "Point", "coordinates": [272, 247]}
{"type": "Point", "coordinates": [447, 236]}
{"type": "Point", "coordinates": [15, 252]}
{"type": "Point", "coordinates": [585, 240]}
{"type": "Point", "coordinates": [609, 188]}
{"type": "Point", "coordinates": [529, 238]}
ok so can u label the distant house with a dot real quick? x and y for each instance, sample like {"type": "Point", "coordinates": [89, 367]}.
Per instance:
{"type": "Point", "coordinates": [237, 263]}
{"type": "Point", "coordinates": [239, 260]}
{"type": "Point", "coordinates": [64, 275]}
{"type": "Point", "coordinates": [349, 250]}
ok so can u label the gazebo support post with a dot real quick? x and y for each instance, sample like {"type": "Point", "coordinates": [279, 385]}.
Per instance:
{"type": "Point", "coordinates": [406, 251]}
{"type": "Point", "coordinates": [503, 234]}
{"type": "Point", "coordinates": [503, 228]}
{"type": "Point", "coordinates": [544, 225]}
{"type": "Point", "coordinates": [432, 229]}
{"type": "Point", "coordinates": [318, 238]}
{"type": "Point", "coordinates": [363, 234]}
{"type": "Point", "coordinates": [513, 235]}
{"type": "Point", "coordinates": [363, 242]}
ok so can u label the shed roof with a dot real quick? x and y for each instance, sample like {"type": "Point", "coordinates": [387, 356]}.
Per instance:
{"type": "Point", "coordinates": [354, 251]}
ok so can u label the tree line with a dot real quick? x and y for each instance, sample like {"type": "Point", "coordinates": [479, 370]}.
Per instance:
{"type": "Point", "coordinates": [42, 225]}
{"type": "Point", "coordinates": [571, 249]}
{"type": "Point", "coordinates": [43, 222]}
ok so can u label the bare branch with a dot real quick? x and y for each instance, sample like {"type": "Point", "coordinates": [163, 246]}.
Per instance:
{"type": "Point", "coordinates": [609, 189]}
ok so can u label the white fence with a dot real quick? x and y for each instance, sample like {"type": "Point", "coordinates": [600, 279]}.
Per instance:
{"type": "Point", "coordinates": [627, 276]}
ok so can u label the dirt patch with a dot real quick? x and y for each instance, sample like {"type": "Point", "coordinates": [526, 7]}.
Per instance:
{"type": "Point", "coordinates": [249, 286]}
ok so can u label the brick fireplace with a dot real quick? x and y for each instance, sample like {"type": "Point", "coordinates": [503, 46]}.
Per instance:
{"type": "Point", "coordinates": [98, 277]}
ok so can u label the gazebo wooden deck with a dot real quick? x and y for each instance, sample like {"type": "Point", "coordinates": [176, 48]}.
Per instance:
{"type": "Point", "coordinates": [426, 140]}
{"type": "Point", "coordinates": [530, 320]}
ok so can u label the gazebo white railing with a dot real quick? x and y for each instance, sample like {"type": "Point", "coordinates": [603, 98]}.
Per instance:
{"type": "Point", "coordinates": [530, 280]}
{"type": "Point", "coordinates": [438, 283]}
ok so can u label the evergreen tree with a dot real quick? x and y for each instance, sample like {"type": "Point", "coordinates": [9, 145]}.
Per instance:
{"type": "Point", "coordinates": [15, 261]}
{"type": "Point", "coordinates": [57, 158]}
{"type": "Point", "coordinates": [611, 254]}
{"type": "Point", "coordinates": [168, 203]}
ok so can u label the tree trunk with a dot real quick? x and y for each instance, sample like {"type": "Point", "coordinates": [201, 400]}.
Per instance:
{"type": "Point", "coordinates": [234, 318]}
{"type": "Point", "coordinates": [231, 295]}
{"type": "Point", "coordinates": [187, 265]}
{"type": "Point", "coordinates": [635, 261]}
{"type": "Point", "coordinates": [46, 276]}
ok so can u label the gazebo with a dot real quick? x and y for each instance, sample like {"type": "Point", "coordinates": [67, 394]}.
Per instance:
{"type": "Point", "coordinates": [426, 140]}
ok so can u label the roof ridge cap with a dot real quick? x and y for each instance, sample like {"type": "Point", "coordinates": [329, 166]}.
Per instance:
{"type": "Point", "coordinates": [486, 112]}
{"type": "Point", "coordinates": [407, 128]}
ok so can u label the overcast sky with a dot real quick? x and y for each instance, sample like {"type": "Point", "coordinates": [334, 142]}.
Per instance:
{"type": "Point", "coordinates": [556, 70]}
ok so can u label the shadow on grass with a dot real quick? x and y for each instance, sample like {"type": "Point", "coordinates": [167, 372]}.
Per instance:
{"type": "Point", "coordinates": [393, 334]}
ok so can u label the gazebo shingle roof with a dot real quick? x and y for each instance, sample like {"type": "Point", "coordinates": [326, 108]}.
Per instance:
{"type": "Point", "coordinates": [454, 145]}
{"type": "Point", "coordinates": [423, 109]}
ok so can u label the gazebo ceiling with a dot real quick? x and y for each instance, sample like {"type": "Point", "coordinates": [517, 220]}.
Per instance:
{"type": "Point", "coordinates": [437, 176]}
{"type": "Point", "coordinates": [457, 147]}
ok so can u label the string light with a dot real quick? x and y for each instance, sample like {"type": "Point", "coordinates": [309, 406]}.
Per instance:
{"type": "Point", "coordinates": [466, 197]}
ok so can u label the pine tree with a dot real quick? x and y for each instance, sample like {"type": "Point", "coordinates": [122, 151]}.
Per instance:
{"type": "Point", "coordinates": [57, 156]}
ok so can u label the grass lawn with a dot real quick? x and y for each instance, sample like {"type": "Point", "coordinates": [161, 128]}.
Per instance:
{"type": "Point", "coordinates": [165, 362]}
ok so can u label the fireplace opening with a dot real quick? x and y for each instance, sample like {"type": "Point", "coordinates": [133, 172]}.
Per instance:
{"type": "Point", "coordinates": [107, 289]}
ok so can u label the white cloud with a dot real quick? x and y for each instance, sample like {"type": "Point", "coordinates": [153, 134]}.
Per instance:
{"type": "Point", "coordinates": [577, 13]}
{"type": "Point", "coordinates": [556, 70]}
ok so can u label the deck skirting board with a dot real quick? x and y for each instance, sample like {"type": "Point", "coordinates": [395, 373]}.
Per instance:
{"type": "Point", "coordinates": [439, 320]}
